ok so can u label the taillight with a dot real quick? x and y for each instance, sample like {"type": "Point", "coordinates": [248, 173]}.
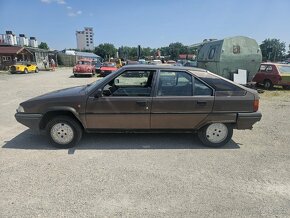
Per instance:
{"type": "Point", "coordinates": [256, 105]}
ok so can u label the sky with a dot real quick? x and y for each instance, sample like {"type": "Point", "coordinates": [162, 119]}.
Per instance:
{"type": "Point", "coordinates": [149, 23]}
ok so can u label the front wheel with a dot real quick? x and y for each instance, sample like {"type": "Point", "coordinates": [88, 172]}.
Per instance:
{"type": "Point", "coordinates": [64, 132]}
{"type": "Point", "coordinates": [216, 134]}
{"type": "Point", "coordinates": [36, 70]}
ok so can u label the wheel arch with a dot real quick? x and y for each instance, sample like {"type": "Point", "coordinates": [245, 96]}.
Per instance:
{"type": "Point", "coordinates": [50, 114]}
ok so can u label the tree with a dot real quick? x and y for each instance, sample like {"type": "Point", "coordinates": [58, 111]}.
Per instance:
{"type": "Point", "coordinates": [43, 45]}
{"type": "Point", "coordinates": [106, 50]}
{"type": "Point", "coordinates": [273, 49]}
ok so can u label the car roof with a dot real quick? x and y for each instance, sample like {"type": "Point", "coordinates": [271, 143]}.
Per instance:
{"type": "Point", "coordinates": [278, 64]}
{"type": "Point", "coordinates": [162, 67]}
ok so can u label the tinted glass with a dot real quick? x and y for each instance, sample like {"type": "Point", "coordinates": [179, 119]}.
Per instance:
{"type": "Point", "coordinates": [220, 84]}
{"type": "Point", "coordinates": [199, 88]}
{"type": "Point", "coordinates": [174, 84]}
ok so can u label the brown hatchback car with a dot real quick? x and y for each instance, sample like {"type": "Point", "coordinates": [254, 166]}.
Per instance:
{"type": "Point", "coordinates": [145, 98]}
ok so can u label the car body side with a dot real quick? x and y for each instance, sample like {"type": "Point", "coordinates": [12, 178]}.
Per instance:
{"type": "Point", "coordinates": [177, 115]}
{"type": "Point", "coordinates": [20, 67]}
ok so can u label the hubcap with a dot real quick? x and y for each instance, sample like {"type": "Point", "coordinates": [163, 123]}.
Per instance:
{"type": "Point", "coordinates": [216, 132]}
{"type": "Point", "coordinates": [62, 133]}
{"type": "Point", "coordinates": [267, 85]}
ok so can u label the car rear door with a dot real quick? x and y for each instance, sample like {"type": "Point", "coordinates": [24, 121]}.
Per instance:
{"type": "Point", "coordinates": [181, 101]}
{"type": "Point", "coordinates": [125, 102]}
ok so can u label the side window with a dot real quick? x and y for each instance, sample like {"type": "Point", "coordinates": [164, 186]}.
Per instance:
{"type": "Point", "coordinates": [199, 88]}
{"type": "Point", "coordinates": [269, 69]}
{"type": "Point", "coordinates": [130, 83]}
{"type": "Point", "coordinates": [174, 84]}
{"type": "Point", "coordinates": [236, 49]}
{"type": "Point", "coordinates": [211, 53]}
{"type": "Point", "coordinates": [263, 67]}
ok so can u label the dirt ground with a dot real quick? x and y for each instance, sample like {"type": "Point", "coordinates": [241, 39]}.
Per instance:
{"type": "Point", "coordinates": [141, 175]}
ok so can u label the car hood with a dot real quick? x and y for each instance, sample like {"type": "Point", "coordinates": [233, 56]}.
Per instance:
{"type": "Point", "coordinates": [109, 68]}
{"type": "Point", "coordinates": [63, 93]}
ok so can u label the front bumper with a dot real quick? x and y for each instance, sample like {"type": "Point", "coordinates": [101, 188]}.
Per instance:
{"type": "Point", "coordinates": [247, 120]}
{"type": "Point", "coordinates": [83, 73]}
{"type": "Point", "coordinates": [32, 121]}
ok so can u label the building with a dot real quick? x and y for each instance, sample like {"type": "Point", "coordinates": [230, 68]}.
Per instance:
{"type": "Point", "coordinates": [85, 39]}
{"type": "Point", "coordinates": [69, 58]}
{"type": "Point", "coordinates": [22, 40]}
{"type": "Point", "coordinates": [33, 42]}
{"type": "Point", "coordinates": [10, 39]}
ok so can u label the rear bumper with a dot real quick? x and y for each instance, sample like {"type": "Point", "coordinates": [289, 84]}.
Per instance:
{"type": "Point", "coordinates": [247, 120]}
{"type": "Point", "coordinates": [32, 121]}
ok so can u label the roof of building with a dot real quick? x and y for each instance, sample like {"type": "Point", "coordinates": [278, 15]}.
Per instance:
{"type": "Point", "coordinates": [86, 54]}
{"type": "Point", "coordinates": [10, 49]}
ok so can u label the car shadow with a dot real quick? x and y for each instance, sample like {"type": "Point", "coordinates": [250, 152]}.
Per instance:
{"type": "Point", "coordinates": [106, 141]}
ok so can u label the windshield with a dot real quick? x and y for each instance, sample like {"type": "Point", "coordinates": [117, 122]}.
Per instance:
{"type": "Point", "coordinates": [84, 62]}
{"type": "Point", "coordinates": [284, 69]}
{"type": "Point", "coordinates": [111, 64]}
{"type": "Point", "coordinates": [93, 84]}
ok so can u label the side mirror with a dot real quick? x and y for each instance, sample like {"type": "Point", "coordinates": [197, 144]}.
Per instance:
{"type": "Point", "coordinates": [99, 93]}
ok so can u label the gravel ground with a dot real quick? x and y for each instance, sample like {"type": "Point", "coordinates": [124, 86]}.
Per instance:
{"type": "Point", "coordinates": [141, 175]}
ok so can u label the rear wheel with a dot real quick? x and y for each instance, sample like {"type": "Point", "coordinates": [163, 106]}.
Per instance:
{"type": "Point", "coordinates": [216, 134]}
{"type": "Point", "coordinates": [25, 71]}
{"type": "Point", "coordinates": [268, 84]}
{"type": "Point", "coordinates": [64, 132]}
{"type": "Point", "coordinates": [286, 87]}
{"type": "Point", "coordinates": [36, 70]}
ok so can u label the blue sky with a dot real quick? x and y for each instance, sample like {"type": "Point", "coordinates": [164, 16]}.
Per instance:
{"type": "Point", "coordinates": [153, 23]}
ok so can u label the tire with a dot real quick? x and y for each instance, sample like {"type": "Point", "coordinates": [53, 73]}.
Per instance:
{"type": "Point", "coordinates": [268, 84]}
{"type": "Point", "coordinates": [76, 75]}
{"type": "Point", "coordinates": [64, 132]}
{"type": "Point", "coordinates": [286, 87]}
{"type": "Point", "coordinates": [36, 70]}
{"type": "Point", "coordinates": [215, 134]}
{"type": "Point", "coordinates": [25, 71]}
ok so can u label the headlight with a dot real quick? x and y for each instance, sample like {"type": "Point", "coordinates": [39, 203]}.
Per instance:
{"type": "Point", "coordinates": [20, 109]}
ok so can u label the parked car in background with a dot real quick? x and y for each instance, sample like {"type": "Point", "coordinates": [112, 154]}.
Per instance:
{"type": "Point", "coordinates": [190, 63]}
{"type": "Point", "coordinates": [98, 65]}
{"type": "Point", "coordinates": [159, 99]}
{"type": "Point", "coordinates": [142, 61]}
{"type": "Point", "coordinates": [271, 74]}
{"type": "Point", "coordinates": [156, 62]}
{"type": "Point", "coordinates": [107, 68]}
{"type": "Point", "coordinates": [24, 67]}
{"type": "Point", "coordinates": [84, 67]}
{"type": "Point", "coordinates": [171, 62]}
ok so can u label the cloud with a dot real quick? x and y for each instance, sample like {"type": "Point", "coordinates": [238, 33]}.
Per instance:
{"type": "Point", "coordinates": [46, 1]}
{"type": "Point", "coordinates": [61, 2]}
{"type": "Point", "coordinates": [68, 7]}
{"type": "Point", "coordinates": [74, 14]}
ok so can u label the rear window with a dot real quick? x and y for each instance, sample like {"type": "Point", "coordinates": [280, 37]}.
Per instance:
{"type": "Point", "coordinates": [284, 69]}
{"type": "Point", "coordinates": [221, 85]}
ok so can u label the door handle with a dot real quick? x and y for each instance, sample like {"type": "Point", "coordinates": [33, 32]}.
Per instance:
{"type": "Point", "coordinates": [142, 103]}
{"type": "Point", "coordinates": [201, 102]}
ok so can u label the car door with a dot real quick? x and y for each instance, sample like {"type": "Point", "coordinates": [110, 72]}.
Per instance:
{"type": "Point", "coordinates": [181, 101]}
{"type": "Point", "coordinates": [125, 102]}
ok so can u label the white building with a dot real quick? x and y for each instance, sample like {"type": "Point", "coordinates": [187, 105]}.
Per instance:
{"type": "Point", "coordinates": [23, 40]}
{"type": "Point", "coordinates": [33, 42]}
{"type": "Point", "coordinates": [85, 39]}
{"type": "Point", "coordinates": [10, 38]}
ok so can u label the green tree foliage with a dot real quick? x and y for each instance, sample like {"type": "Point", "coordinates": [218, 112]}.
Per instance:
{"type": "Point", "coordinates": [106, 50]}
{"type": "Point", "coordinates": [273, 49]}
{"type": "Point", "coordinates": [43, 45]}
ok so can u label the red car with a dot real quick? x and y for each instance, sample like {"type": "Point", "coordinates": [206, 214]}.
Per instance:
{"type": "Point", "coordinates": [107, 68]}
{"type": "Point", "coordinates": [84, 67]}
{"type": "Point", "coordinates": [271, 74]}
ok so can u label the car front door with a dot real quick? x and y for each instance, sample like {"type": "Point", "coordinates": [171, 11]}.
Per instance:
{"type": "Point", "coordinates": [125, 102]}
{"type": "Point", "coordinates": [181, 101]}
